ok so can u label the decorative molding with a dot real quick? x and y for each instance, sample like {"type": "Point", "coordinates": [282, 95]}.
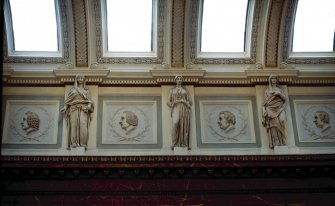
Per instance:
{"type": "Point", "coordinates": [163, 65]}
{"type": "Point", "coordinates": [86, 72]}
{"type": "Point", "coordinates": [288, 28]}
{"type": "Point", "coordinates": [129, 82]}
{"type": "Point", "coordinates": [135, 161]}
{"type": "Point", "coordinates": [80, 32]}
{"type": "Point", "coordinates": [167, 76]}
{"type": "Point", "coordinates": [272, 37]}
{"type": "Point", "coordinates": [49, 60]}
{"type": "Point", "coordinates": [157, 77]}
{"type": "Point", "coordinates": [178, 19]}
{"type": "Point", "coordinates": [130, 60]}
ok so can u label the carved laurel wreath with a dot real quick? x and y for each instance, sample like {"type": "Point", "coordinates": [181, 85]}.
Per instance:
{"type": "Point", "coordinates": [222, 137]}
{"type": "Point", "coordinates": [23, 137]}
{"type": "Point", "coordinates": [137, 137]}
{"type": "Point", "coordinates": [310, 131]}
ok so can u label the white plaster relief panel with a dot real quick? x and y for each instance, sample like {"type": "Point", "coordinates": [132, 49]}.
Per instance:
{"type": "Point", "coordinates": [315, 120]}
{"type": "Point", "coordinates": [129, 122]}
{"type": "Point", "coordinates": [226, 121]}
{"type": "Point", "coordinates": [31, 122]}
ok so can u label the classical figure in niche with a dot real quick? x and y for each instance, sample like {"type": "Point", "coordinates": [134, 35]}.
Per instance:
{"type": "Point", "coordinates": [30, 122]}
{"type": "Point", "coordinates": [274, 113]}
{"type": "Point", "coordinates": [78, 109]}
{"type": "Point", "coordinates": [179, 101]}
{"type": "Point", "coordinates": [227, 121]}
{"type": "Point", "coordinates": [321, 120]}
{"type": "Point", "coordinates": [129, 121]}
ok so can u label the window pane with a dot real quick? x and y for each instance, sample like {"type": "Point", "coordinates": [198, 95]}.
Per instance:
{"type": "Point", "coordinates": [314, 26]}
{"type": "Point", "coordinates": [223, 25]}
{"type": "Point", "coordinates": [34, 25]}
{"type": "Point", "coordinates": [129, 24]}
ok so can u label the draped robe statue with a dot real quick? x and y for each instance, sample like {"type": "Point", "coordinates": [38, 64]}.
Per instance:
{"type": "Point", "coordinates": [180, 103]}
{"type": "Point", "coordinates": [274, 113]}
{"type": "Point", "coordinates": [78, 109]}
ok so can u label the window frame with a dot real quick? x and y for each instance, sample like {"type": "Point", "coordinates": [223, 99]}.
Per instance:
{"type": "Point", "coordinates": [288, 55]}
{"type": "Point", "coordinates": [105, 56]}
{"type": "Point", "coordinates": [246, 57]}
{"type": "Point", "coordinates": [60, 56]}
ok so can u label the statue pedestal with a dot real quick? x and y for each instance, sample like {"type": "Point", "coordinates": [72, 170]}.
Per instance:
{"type": "Point", "coordinates": [281, 150]}
{"type": "Point", "coordinates": [180, 150]}
{"type": "Point", "coordinates": [78, 151]}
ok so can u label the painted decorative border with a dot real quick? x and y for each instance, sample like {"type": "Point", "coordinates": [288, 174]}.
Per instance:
{"type": "Point", "coordinates": [210, 135]}
{"type": "Point", "coordinates": [146, 135]}
{"type": "Point", "coordinates": [128, 60]}
{"type": "Point", "coordinates": [304, 120]}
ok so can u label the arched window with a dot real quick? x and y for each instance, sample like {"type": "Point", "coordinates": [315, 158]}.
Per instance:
{"type": "Point", "coordinates": [33, 28]}
{"type": "Point", "coordinates": [222, 32]}
{"type": "Point", "coordinates": [223, 27]}
{"type": "Point", "coordinates": [314, 26]}
{"type": "Point", "coordinates": [129, 26]}
{"type": "Point", "coordinates": [129, 31]}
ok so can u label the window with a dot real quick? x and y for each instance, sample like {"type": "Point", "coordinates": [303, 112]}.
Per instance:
{"type": "Point", "coordinates": [33, 29]}
{"type": "Point", "coordinates": [223, 25]}
{"type": "Point", "coordinates": [130, 31]}
{"type": "Point", "coordinates": [225, 31]}
{"type": "Point", "coordinates": [314, 26]}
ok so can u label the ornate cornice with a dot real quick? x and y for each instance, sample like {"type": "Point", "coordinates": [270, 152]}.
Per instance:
{"type": "Point", "coordinates": [165, 161]}
{"type": "Point", "coordinates": [158, 77]}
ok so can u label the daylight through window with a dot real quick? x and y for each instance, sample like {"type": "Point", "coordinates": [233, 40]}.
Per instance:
{"type": "Point", "coordinates": [314, 26]}
{"type": "Point", "coordinates": [34, 25]}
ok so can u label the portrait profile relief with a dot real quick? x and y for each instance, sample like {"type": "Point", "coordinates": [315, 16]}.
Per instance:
{"type": "Point", "coordinates": [227, 121]}
{"type": "Point", "coordinates": [223, 121]}
{"type": "Point", "coordinates": [31, 122]}
{"type": "Point", "coordinates": [315, 120]}
{"type": "Point", "coordinates": [127, 122]}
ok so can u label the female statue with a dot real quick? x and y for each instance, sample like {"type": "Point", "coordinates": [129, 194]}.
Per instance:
{"type": "Point", "coordinates": [78, 109]}
{"type": "Point", "coordinates": [274, 113]}
{"type": "Point", "coordinates": [180, 103]}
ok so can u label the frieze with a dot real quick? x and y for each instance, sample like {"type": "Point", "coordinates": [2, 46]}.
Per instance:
{"type": "Point", "coordinates": [157, 77]}
{"type": "Point", "coordinates": [40, 160]}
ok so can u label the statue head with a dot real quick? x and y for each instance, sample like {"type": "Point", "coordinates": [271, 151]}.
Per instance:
{"type": "Point", "coordinates": [30, 122]}
{"type": "Point", "coordinates": [178, 79]}
{"type": "Point", "coordinates": [321, 119]}
{"type": "Point", "coordinates": [79, 79]}
{"type": "Point", "coordinates": [273, 81]}
{"type": "Point", "coordinates": [129, 121]}
{"type": "Point", "coordinates": [227, 120]}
